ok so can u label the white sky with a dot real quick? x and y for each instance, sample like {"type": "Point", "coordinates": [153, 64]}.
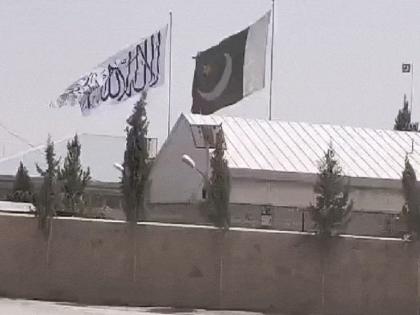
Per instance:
{"type": "Point", "coordinates": [335, 61]}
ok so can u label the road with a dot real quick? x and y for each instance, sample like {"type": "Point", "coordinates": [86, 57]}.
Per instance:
{"type": "Point", "coordinates": [26, 307]}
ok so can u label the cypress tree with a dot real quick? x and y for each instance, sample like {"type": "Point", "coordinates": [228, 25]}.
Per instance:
{"type": "Point", "coordinates": [136, 163]}
{"type": "Point", "coordinates": [403, 120]}
{"type": "Point", "coordinates": [22, 187]}
{"type": "Point", "coordinates": [332, 207]}
{"type": "Point", "coordinates": [74, 178]}
{"type": "Point", "coordinates": [411, 208]}
{"type": "Point", "coordinates": [219, 185]}
{"type": "Point", "coordinates": [47, 201]}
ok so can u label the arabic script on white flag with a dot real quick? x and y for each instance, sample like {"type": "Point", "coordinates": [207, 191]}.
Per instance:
{"type": "Point", "coordinates": [125, 74]}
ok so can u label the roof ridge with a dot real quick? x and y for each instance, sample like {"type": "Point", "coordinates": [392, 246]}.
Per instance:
{"type": "Point", "coordinates": [22, 153]}
{"type": "Point", "coordinates": [100, 135]}
{"type": "Point", "coordinates": [43, 146]}
{"type": "Point", "coordinates": [190, 118]}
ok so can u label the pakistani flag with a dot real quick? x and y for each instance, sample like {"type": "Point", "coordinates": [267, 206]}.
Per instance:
{"type": "Point", "coordinates": [226, 73]}
{"type": "Point", "coordinates": [406, 67]}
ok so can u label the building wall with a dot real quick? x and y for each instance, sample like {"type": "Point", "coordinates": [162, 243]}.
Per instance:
{"type": "Point", "coordinates": [190, 213]}
{"type": "Point", "coordinates": [102, 262]}
{"type": "Point", "coordinates": [282, 218]}
{"type": "Point", "coordinates": [300, 194]}
{"type": "Point", "coordinates": [171, 181]}
{"type": "Point", "coordinates": [375, 210]}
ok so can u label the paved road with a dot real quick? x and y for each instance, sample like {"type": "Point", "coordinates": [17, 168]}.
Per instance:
{"type": "Point", "coordinates": [26, 307]}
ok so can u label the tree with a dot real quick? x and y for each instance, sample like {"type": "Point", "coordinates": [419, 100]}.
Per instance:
{"type": "Point", "coordinates": [47, 201]}
{"type": "Point", "coordinates": [74, 178]}
{"type": "Point", "coordinates": [411, 209]}
{"type": "Point", "coordinates": [136, 163]}
{"type": "Point", "coordinates": [332, 208]}
{"type": "Point", "coordinates": [403, 120]}
{"type": "Point", "coordinates": [22, 187]}
{"type": "Point", "coordinates": [219, 185]}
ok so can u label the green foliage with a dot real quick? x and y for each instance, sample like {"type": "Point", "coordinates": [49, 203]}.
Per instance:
{"type": "Point", "coordinates": [22, 180]}
{"type": "Point", "coordinates": [48, 198]}
{"type": "Point", "coordinates": [403, 120]}
{"type": "Point", "coordinates": [22, 187]}
{"type": "Point", "coordinates": [332, 208]}
{"type": "Point", "coordinates": [136, 163]}
{"type": "Point", "coordinates": [219, 185]}
{"type": "Point", "coordinates": [74, 178]}
{"type": "Point", "coordinates": [411, 209]}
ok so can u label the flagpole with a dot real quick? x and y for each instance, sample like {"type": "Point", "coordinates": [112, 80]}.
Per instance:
{"type": "Point", "coordinates": [412, 87]}
{"type": "Point", "coordinates": [271, 62]}
{"type": "Point", "coordinates": [170, 72]}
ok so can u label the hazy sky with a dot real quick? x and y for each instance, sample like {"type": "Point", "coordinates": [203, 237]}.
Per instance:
{"type": "Point", "coordinates": [335, 61]}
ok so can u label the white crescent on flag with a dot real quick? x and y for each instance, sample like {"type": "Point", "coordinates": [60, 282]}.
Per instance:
{"type": "Point", "coordinates": [222, 83]}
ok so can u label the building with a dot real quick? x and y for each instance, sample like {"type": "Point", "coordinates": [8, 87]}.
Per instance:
{"type": "Point", "coordinates": [98, 152]}
{"type": "Point", "coordinates": [16, 207]}
{"type": "Point", "coordinates": [273, 167]}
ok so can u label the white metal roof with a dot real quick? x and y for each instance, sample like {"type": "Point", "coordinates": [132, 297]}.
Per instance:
{"type": "Point", "coordinates": [99, 152]}
{"type": "Point", "coordinates": [16, 207]}
{"type": "Point", "coordinates": [298, 147]}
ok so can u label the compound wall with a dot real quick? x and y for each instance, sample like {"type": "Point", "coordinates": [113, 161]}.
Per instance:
{"type": "Point", "coordinates": [110, 262]}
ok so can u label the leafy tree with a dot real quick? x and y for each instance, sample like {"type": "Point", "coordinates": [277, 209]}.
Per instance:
{"type": "Point", "coordinates": [411, 208]}
{"type": "Point", "coordinates": [219, 185]}
{"type": "Point", "coordinates": [47, 201]}
{"type": "Point", "coordinates": [22, 187]}
{"type": "Point", "coordinates": [74, 178]}
{"type": "Point", "coordinates": [136, 163]}
{"type": "Point", "coordinates": [332, 208]}
{"type": "Point", "coordinates": [403, 120]}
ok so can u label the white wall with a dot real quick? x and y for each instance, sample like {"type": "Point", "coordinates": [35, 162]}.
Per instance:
{"type": "Point", "coordinates": [297, 194]}
{"type": "Point", "coordinates": [250, 191]}
{"type": "Point", "coordinates": [171, 180]}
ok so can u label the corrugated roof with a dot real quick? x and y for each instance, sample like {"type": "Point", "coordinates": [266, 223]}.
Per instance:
{"type": "Point", "coordinates": [16, 207]}
{"type": "Point", "coordinates": [99, 152]}
{"type": "Point", "coordinates": [298, 147]}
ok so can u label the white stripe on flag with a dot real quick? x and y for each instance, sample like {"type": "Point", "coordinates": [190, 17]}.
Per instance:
{"type": "Point", "coordinates": [255, 55]}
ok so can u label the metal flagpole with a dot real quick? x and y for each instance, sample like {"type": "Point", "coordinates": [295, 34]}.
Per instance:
{"type": "Point", "coordinates": [412, 87]}
{"type": "Point", "coordinates": [170, 72]}
{"type": "Point", "coordinates": [271, 63]}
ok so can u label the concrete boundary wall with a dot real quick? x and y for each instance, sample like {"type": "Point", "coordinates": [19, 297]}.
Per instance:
{"type": "Point", "coordinates": [112, 262]}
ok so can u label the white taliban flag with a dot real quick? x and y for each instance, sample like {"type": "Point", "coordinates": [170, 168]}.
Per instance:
{"type": "Point", "coordinates": [125, 74]}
